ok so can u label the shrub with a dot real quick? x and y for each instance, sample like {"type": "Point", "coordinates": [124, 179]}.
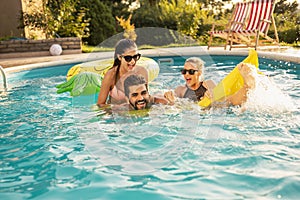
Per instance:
{"type": "Point", "coordinates": [102, 23]}
{"type": "Point", "coordinates": [56, 17]}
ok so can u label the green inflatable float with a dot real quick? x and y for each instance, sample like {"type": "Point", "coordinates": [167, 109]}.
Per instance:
{"type": "Point", "coordinates": [85, 78]}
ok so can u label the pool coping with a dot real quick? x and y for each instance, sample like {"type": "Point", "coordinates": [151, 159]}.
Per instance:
{"type": "Point", "coordinates": [158, 52]}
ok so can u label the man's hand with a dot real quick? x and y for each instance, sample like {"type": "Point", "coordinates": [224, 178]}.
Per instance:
{"type": "Point", "coordinates": [246, 71]}
{"type": "Point", "coordinates": [169, 95]}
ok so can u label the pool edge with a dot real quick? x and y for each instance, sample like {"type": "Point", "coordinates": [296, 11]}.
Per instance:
{"type": "Point", "coordinates": [159, 52]}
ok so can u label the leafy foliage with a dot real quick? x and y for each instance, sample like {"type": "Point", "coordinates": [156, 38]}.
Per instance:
{"type": "Point", "coordinates": [129, 28]}
{"type": "Point", "coordinates": [287, 18]}
{"type": "Point", "coordinates": [102, 22]}
{"type": "Point", "coordinates": [189, 17]}
{"type": "Point", "coordinates": [148, 16]}
{"type": "Point", "coordinates": [57, 18]}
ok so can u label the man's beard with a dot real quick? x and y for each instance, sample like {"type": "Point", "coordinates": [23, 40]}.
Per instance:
{"type": "Point", "coordinates": [143, 102]}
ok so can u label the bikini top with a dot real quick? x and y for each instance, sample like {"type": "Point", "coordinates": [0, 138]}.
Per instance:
{"type": "Point", "coordinates": [195, 95]}
{"type": "Point", "coordinates": [116, 95]}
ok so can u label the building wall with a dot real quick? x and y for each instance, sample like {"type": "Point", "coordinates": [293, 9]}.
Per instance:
{"type": "Point", "coordinates": [9, 18]}
{"type": "Point", "coordinates": [10, 11]}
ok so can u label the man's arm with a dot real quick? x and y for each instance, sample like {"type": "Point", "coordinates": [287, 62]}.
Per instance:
{"type": "Point", "coordinates": [161, 100]}
{"type": "Point", "coordinates": [241, 96]}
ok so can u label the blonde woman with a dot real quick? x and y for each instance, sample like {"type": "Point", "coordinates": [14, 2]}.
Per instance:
{"type": "Point", "coordinates": [195, 86]}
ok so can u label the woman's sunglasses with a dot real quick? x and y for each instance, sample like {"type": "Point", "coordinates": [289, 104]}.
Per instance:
{"type": "Point", "coordinates": [190, 71]}
{"type": "Point", "coordinates": [134, 57]}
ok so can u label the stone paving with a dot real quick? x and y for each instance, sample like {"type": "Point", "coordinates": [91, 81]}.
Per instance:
{"type": "Point", "coordinates": [282, 53]}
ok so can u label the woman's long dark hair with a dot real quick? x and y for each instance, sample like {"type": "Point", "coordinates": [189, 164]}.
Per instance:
{"type": "Point", "coordinates": [120, 48]}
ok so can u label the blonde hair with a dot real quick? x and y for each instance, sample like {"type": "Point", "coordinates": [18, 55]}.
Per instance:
{"type": "Point", "coordinates": [198, 63]}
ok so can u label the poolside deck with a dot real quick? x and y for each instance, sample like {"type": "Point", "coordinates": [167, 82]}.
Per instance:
{"type": "Point", "coordinates": [282, 53]}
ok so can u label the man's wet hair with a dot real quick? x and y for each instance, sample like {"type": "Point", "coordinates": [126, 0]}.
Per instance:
{"type": "Point", "coordinates": [133, 80]}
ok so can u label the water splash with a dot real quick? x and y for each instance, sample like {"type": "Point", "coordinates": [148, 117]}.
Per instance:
{"type": "Point", "coordinates": [267, 97]}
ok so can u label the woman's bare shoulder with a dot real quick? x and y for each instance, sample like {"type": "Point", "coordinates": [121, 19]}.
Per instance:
{"type": "Point", "coordinates": [108, 77]}
{"type": "Point", "coordinates": [180, 90]}
{"type": "Point", "coordinates": [180, 87]}
{"type": "Point", "coordinates": [209, 84]}
{"type": "Point", "coordinates": [140, 69]}
{"type": "Point", "coordinates": [111, 72]}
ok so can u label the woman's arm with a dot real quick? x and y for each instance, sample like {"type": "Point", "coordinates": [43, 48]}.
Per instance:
{"type": "Point", "coordinates": [106, 85]}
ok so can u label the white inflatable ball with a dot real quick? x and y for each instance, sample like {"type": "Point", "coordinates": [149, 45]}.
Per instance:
{"type": "Point", "coordinates": [55, 50]}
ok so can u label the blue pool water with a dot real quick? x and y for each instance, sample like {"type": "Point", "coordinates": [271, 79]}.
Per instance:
{"type": "Point", "coordinates": [53, 148]}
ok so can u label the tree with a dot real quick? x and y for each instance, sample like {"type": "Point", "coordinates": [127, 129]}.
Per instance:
{"type": "Point", "coordinates": [149, 2]}
{"type": "Point", "coordinates": [57, 18]}
{"type": "Point", "coordinates": [283, 6]}
{"type": "Point", "coordinates": [150, 16]}
{"type": "Point", "coordinates": [119, 7]}
{"type": "Point", "coordinates": [287, 19]}
{"type": "Point", "coordinates": [102, 22]}
{"type": "Point", "coordinates": [187, 14]}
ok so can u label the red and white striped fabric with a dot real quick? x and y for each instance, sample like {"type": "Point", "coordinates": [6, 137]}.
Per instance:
{"type": "Point", "coordinates": [259, 17]}
{"type": "Point", "coordinates": [237, 22]}
{"type": "Point", "coordinates": [250, 21]}
{"type": "Point", "coordinates": [240, 15]}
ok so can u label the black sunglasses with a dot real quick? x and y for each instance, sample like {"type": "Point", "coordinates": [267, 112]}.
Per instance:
{"type": "Point", "coordinates": [134, 57]}
{"type": "Point", "coordinates": [190, 71]}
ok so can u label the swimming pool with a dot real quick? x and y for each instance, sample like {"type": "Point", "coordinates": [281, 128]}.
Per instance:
{"type": "Point", "coordinates": [53, 148]}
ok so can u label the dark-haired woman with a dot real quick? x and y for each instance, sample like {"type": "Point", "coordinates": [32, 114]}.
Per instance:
{"type": "Point", "coordinates": [125, 58]}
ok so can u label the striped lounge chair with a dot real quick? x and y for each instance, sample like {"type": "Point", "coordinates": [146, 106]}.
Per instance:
{"type": "Point", "coordinates": [257, 16]}
{"type": "Point", "coordinates": [235, 23]}
{"type": "Point", "coordinates": [260, 17]}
